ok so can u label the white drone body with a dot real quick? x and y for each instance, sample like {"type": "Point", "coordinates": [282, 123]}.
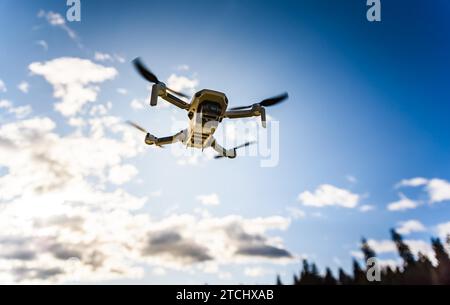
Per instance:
{"type": "Point", "coordinates": [205, 111]}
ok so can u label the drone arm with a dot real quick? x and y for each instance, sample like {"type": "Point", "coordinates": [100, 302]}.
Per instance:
{"type": "Point", "coordinates": [152, 140]}
{"type": "Point", "coordinates": [159, 90]}
{"type": "Point", "coordinates": [229, 153]}
{"type": "Point", "coordinates": [254, 111]}
{"type": "Point", "coordinates": [175, 101]}
{"type": "Point", "coordinates": [237, 114]}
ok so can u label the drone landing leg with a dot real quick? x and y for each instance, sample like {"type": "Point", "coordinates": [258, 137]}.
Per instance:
{"type": "Point", "coordinates": [229, 153]}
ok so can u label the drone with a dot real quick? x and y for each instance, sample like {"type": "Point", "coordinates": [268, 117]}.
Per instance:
{"type": "Point", "coordinates": [205, 111]}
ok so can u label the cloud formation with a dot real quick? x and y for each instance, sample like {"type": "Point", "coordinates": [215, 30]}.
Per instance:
{"type": "Point", "coordinates": [24, 87]}
{"type": "Point", "coordinates": [56, 20]}
{"type": "Point", "coordinates": [410, 226]}
{"type": "Point", "coordinates": [404, 203]}
{"type": "Point", "coordinates": [329, 195]}
{"type": "Point", "coordinates": [182, 83]}
{"type": "Point", "coordinates": [438, 190]}
{"type": "Point", "coordinates": [67, 216]}
{"type": "Point", "coordinates": [74, 81]}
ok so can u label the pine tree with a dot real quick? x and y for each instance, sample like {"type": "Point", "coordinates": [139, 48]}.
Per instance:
{"type": "Point", "coordinates": [443, 269]}
{"type": "Point", "coordinates": [329, 278]}
{"type": "Point", "coordinates": [414, 271]}
{"type": "Point", "coordinates": [358, 274]}
{"type": "Point", "coordinates": [279, 283]}
{"type": "Point", "coordinates": [344, 278]}
{"type": "Point", "coordinates": [403, 249]}
{"type": "Point", "coordinates": [367, 250]}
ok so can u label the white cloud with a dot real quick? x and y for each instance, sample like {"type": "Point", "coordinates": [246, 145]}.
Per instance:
{"type": "Point", "coordinates": [211, 199]}
{"type": "Point", "coordinates": [73, 80]}
{"type": "Point", "coordinates": [137, 104]}
{"type": "Point", "coordinates": [56, 20]}
{"type": "Point", "coordinates": [159, 271]}
{"type": "Point", "coordinates": [23, 86]}
{"type": "Point", "coordinates": [296, 213]}
{"type": "Point", "coordinates": [182, 83]}
{"type": "Point", "coordinates": [64, 218]}
{"type": "Point", "coordinates": [99, 56]}
{"type": "Point", "coordinates": [122, 91]}
{"type": "Point", "coordinates": [5, 104]}
{"type": "Point", "coordinates": [60, 223]}
{"type": "Point", "coordinates": [403, 204]}
{"type": "Point", "coordinates": [410, 226]}
{"type": "Point", "coordinates": [120, 174]}
{"type": "Point", "coordinates": [43, 44]}
{"type": "Point", "coordinates": [351, 179]}
{"type": "Point", "coordinates": [438, 190]}
{"type": "Point", "coordinates": [19, 112]}
{"type": "Point", "coordinates": [119, 58]}
{"type": "Point", "coordinates": [382, 246]}
{"type": "Point", "coordinates": [413, 182]}
{"type": "Point", "coordinates": [183, 68]}
{"type": "Point", "coordinates": [366, 208]}
{"type": "Point", "coordinates": [443, 230]}
{"type": "Point", "coordinates": [256, 271]}
{"type": "Point", "coordinates": [329, 195]}
{"type": "Point", "coordinates": [157, 193]}
{"type": "Point", "coordinates": [357, 254]}
{"type": "Point", "coordinates": [3, 86]}
{"type": "Point", "coordinates": [103, 56]}
{"type": "Point", "coordinates": [415, 245]}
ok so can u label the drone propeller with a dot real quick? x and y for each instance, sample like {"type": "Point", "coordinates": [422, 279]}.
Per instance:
{"type": "Point", "coordinates": [140, 128]}
{"type": "Point", "coordinates": [266, 103]}
{"type": "Point", "coordinates": [237, 147]}
{"type": "Point", "coordinates": [151, 77]}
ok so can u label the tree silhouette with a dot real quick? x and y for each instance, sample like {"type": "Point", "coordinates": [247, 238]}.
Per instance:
{"type": "Point", "coordinates": [414, 270]}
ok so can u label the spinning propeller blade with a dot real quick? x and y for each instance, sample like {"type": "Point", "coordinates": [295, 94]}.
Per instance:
{"type": "Point", "coordinates": [178, 93]}
{"type": "Point", "coordinates": [151, 77]}
{"type": "Point", "coordinates": [140, 128]}
{"type": "Point", "coordinates": [266, 103]}
{"type": "Point", "coordinates": [144, 72]}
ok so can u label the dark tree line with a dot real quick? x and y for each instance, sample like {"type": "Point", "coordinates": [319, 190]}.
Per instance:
{"type": "Point", "coordinates": [413, 270]}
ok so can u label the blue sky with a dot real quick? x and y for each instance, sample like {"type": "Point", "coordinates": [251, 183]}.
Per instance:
{"type": "Point", "coordinates": [367, 100]}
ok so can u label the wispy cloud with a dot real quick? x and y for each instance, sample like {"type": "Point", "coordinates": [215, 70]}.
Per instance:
{"type": "Point", "coordinates": [410, 226]}
{"type": "Point", "coordinates": [43, 44]}
{"type": "Point", "coordinates": [104, 57]}
{"type": "Point", "coordinates": [3, 86]}
{"type": "Point", "coordinates": [137, 104]}
{"type": "Point", "coordinates": [122, 91]}
{"type": "Point", "coordinates": [404, 203]}
{"type": "Point", "coordinates": [210, 199]}
{"type": "Point", "coordinates": [57, 20]}
{"type": "Point", "coordinates": [24, 87]}
{"type": "Point", "coordinates": [438, 189]}
{"type": "Point", "coordinates": [366, 208]}
{"type": "Point", "coordinates": [19, 112]}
